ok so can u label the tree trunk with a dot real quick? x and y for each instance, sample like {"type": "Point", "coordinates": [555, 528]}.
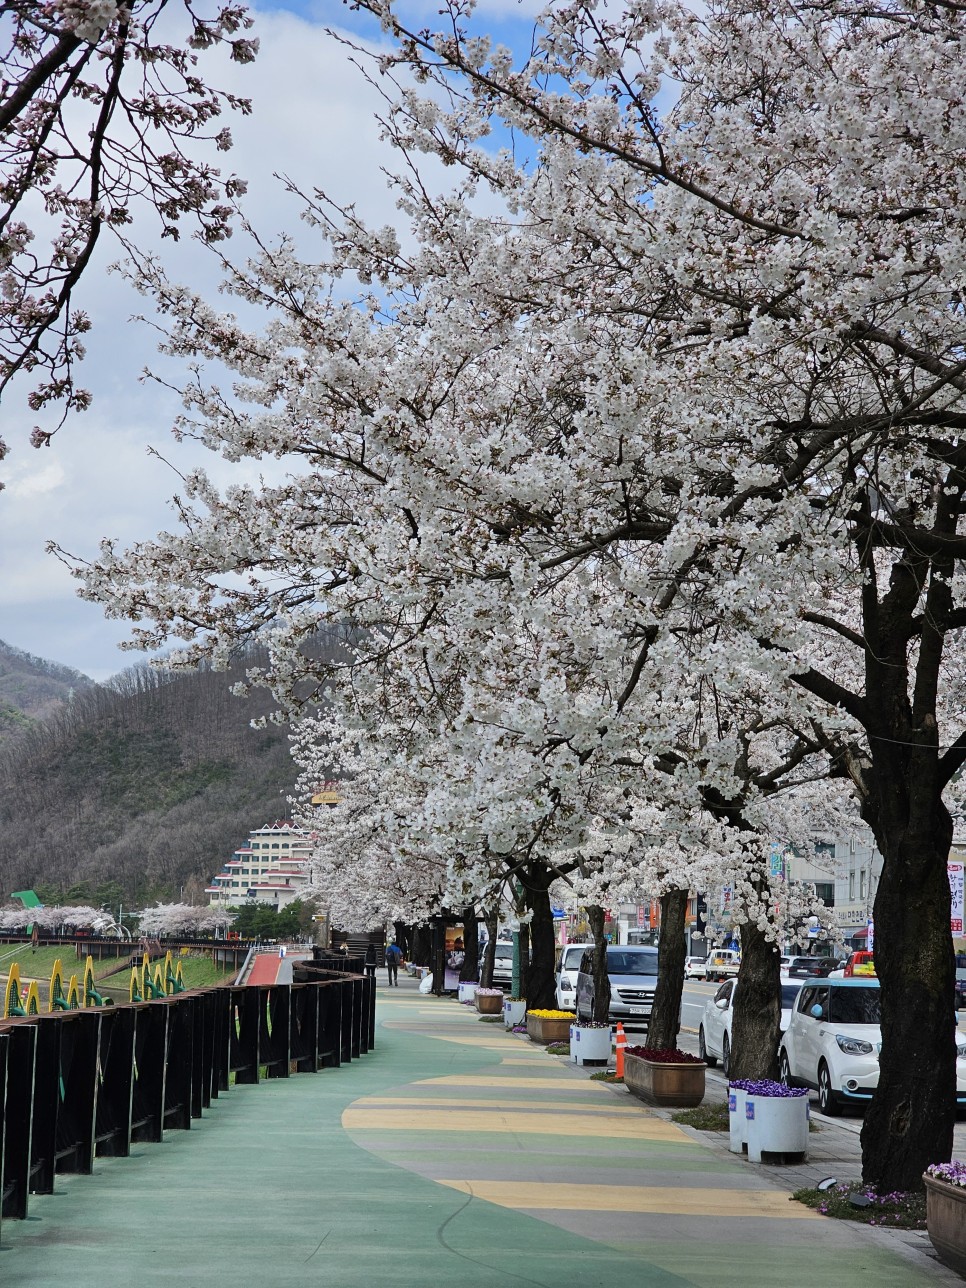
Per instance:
{"type": "Point", "coordinates": [756, 1014]}
{"type": "Point", "coordinates": [662, 1032]}
{"type": "Point", "coordinates": [403, 937]}
{"type": "Point", "coordinates": [471, 946]}
{"type": "Point", "coordinates": [492, 919]}
{"type": "Point", "coordinates": [595, 919]}
{"type": "Point", "coordinates": [523, 963]}
{"type": "Point", "coordinates": [540, 991]}
{"type": "Point", "coordinates": [422, 945]}
{"type": "Point", "coordinates": [910, 1121]}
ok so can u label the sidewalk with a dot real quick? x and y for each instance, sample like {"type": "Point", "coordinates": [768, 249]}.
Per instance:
{"type": "Point", "coordinates": [454, 1153]}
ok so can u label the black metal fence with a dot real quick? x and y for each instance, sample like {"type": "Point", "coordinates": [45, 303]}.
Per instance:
{"type": "Point", "coordinates": [78, 1084]}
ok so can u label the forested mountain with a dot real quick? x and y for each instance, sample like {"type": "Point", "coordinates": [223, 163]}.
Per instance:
{"type": "Point", "coordinates": [31, 688]}
{"type": "Point", "coordinates": [147, 783]}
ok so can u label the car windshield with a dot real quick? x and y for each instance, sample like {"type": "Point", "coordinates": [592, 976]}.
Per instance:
{"type": "Point", "coordinates": [631, 963]}
{"type": "Point", "coordinates": [854, 1006]}
{"type": "Point", "coordinates": [789, 993]}
{"type": "Point", "coordinates": [571, 958]}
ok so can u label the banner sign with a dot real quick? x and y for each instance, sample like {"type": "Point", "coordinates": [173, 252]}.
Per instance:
{"type": "Point", "coordinates": [955, 871]}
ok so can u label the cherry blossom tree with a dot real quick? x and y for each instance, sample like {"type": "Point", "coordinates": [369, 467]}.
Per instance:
{"type": "Point", "coordinates": [101, 104]}
{"type": "Point", "coordinates": [696, 367]}
{"type": "Point", "coordinates": [183, 919]}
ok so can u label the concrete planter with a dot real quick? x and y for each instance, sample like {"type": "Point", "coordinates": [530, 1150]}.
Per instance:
{"type": "Point", "coordinates": [589, 1046]}
{"type": "Point", "coordinates": [489, 1003]}
{"type": "Point", "coordinates": [545, 1031]}
{"type": "Point", "coordinates": [514, 1013]}
{"type": "Point", "coordinates": [776, 1125]}
{"type": "Point", "coordinates": [466, 991]}
{"type": "Point", "coordinates": [677, 1086]}
{"type": "Point", "coordinates": [946, 1222]}
{"type": "Point", "coordinates": [737, 1122]}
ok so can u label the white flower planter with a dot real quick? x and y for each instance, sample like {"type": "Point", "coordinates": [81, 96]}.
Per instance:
{"type": "Point", "coordinates": [776, 1125]}
{"type": "Point", "coordinates": [466, 990]}
{"type": "Point", "coordinates": [514, 1013]}
{"type": "Point", "coordinates": [589, 1046]}
{"type": "Point", "coordinates": [737, 1123]}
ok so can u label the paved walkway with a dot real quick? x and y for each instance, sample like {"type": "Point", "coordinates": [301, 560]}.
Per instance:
{"type": "Point", "coordinates": [454, 1153]}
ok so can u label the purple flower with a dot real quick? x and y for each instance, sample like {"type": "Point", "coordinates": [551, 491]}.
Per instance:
{"type": "Point", "coordinates": [953, 1173]}
{"type": "Point", "coordinates": [765, 1087]}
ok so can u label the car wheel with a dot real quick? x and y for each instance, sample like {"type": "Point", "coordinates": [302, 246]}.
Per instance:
{"type": "Point", "coordinates": [710, 1060]}
{"type": "Point", "coordinates": [827, 1104]}
{"type": "Point", "coordinates": [725, 1055]}
{"type": "Point", "coordinates": [784, 1069]}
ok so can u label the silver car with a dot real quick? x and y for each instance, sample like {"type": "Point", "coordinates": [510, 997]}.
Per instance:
{"type": "Point", "coordinates": [632, 971]}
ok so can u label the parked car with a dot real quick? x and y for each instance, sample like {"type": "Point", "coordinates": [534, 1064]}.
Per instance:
{"type": "Point", "coordinates": [695, 968]}
{"type": "Point", "coordinates": [714, 1032]}
{"type": "Point", "coordinates": [960, 986]}
{"type": "Point", "coordinates": [808, 967]}
{"type": "Point", "coordinates": [503, 964]}
{"type": "Point", "coordinates": [721, 963]}
{"type": "Point", "coordinates": [833, 1044]}
{"type": "Point", "coordinates": [632, 971]}
{"type": "Point", "coordinates": [860, 963]}
{"type": "Point", "coordinates": [568, 968]}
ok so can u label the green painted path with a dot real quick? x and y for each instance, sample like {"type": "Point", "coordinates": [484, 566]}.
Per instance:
{"type": "Point", "coordinates": [453, 1154]}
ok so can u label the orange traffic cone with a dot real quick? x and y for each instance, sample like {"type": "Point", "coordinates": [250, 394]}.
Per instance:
{"type": "Point", "coordinates": [620, 1042]}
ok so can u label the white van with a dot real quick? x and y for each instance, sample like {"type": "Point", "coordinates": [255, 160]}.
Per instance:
{"type": "Point", "coordinates": [565, 980]}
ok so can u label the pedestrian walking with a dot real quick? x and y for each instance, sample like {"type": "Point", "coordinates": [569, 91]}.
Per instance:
{"type": "Point", "coordinates": [393, 958]}
{"type": "Point", "coordinates": [371, 961]}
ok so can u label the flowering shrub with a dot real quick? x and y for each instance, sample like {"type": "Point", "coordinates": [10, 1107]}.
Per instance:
{"type": "Point", "coordinates": [765, 1087]}
{"type": "Point", "coordinates": [897, 1209]}
{"type": "Point", "coordinates": [953, 1173]}
{"type": "Point", "coordinates": [668, 1055]}
{"type": "Point", "coordinates": [551, 1015]}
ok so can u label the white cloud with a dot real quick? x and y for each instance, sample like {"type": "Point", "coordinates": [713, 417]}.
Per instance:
{"type": "Point", "coordinates": [313, 118]}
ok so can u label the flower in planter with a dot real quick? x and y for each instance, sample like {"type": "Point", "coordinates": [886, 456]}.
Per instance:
{"type": "Point", "coordinates": [590, 1024]}
{"type": "Point", "coordinates": [551, 1015]}
{"type": "Point", "coordinates": [489, 992]}
{"type": "Point", "coordinates": [765, 1087]}
{"type": "Point", "coordinates": [516, 999]}
{"type": "Point", "coordinates": [664, 1055]}
{"type": "Point", "coordinates": [953, 1173]}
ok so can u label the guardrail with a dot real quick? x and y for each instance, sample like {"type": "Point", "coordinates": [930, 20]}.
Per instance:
{"type": "Point", "coordinates": [78, 1084]}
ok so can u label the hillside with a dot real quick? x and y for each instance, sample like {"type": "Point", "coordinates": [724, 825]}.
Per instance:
{"type": "Point", "coordinates": [144, 786]}
{"type": "Point", "coordinates": [31, 688]}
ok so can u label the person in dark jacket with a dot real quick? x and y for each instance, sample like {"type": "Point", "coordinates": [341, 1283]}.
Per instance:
{"type": "Point", "coordinates": [371, 961]}
{"type": "Point", "coordinates": [393, 958]}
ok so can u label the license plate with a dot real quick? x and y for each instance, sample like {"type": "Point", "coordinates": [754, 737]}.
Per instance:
{"type": "Point", "coordinates": [639, 1010]}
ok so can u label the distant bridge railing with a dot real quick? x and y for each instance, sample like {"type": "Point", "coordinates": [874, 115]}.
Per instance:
{"type": "Point", "coordinates": [77, 1084]}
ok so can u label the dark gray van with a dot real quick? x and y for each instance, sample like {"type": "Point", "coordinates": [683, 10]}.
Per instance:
{"type": "Point", "coordinates": [632, 970]}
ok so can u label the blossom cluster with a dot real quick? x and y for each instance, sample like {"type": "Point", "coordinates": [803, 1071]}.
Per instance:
{"type": "Point", "coordinates": [953, 1173]}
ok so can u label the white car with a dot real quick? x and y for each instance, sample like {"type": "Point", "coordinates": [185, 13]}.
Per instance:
{"type": "Point", "coordinates": [714, 1033]}
{"type": "Point", "coordinates": [695, 968]}
{"type": "Point", "coordinates": [566, 975]}
{"type": "Point", "coordinates": [833, 1043]}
